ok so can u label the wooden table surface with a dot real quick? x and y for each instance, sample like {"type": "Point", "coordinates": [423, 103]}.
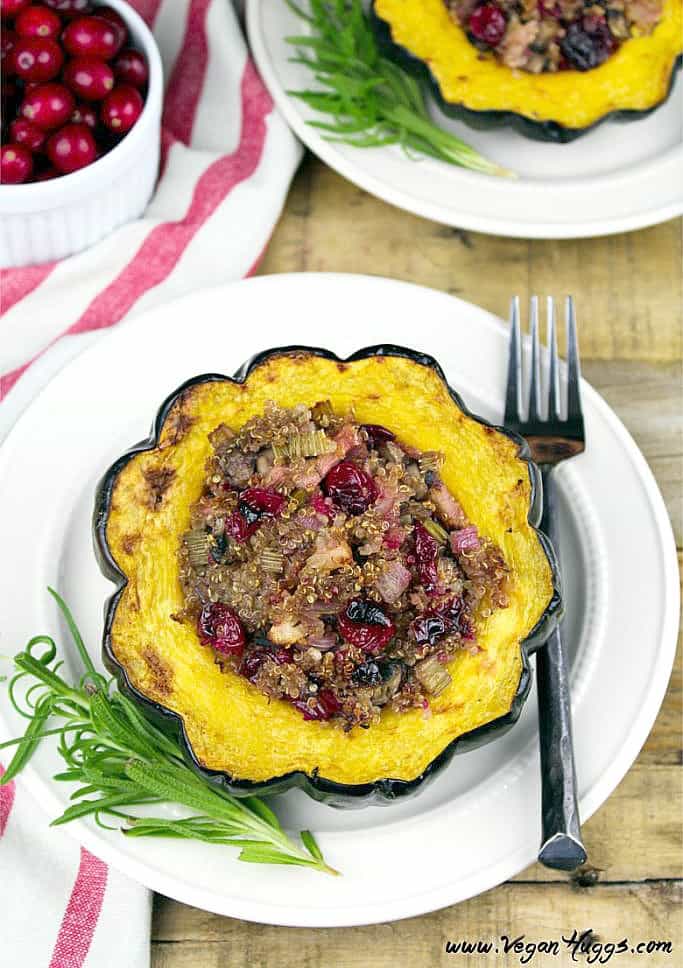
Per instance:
{"type": "Point", "coordinates": [629, 293]}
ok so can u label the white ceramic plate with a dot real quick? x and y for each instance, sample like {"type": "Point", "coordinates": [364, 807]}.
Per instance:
{"type": "Point", "coordinates": [478, 823]}
{"type": "Point", "coordinates": [619, 177]}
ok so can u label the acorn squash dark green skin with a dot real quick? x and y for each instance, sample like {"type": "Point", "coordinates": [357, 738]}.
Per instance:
{"type": "Point", "coordinates": [490, 120]}
{"type": "Point", "coordinates": [321, 789]}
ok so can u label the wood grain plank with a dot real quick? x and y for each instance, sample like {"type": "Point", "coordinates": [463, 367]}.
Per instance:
{"type": "Point", "coordinates": [629, 288]}
{"type": "Point", "coordinates": [187, 937]}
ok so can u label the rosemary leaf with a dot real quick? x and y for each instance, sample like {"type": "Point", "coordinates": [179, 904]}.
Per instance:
{"type": "Point", "coordinates": [371, 100]}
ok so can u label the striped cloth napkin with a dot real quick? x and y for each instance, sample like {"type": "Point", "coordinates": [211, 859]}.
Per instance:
{"type": "Point", "coordinates": [228, 159]}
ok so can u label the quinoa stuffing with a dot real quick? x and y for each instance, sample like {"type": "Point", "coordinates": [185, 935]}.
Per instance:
{"type": "Point", "coordinates": [544, 36]}
{"type": "Point", "coordinates": [329, 565]}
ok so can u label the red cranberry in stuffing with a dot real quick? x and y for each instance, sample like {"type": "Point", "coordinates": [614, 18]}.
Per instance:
{"type": "Point", "coordinates": [47, 105]}
{"type": "Point", "coordinates": [71, 148]}
{"type": "Point", "coordinates": [323, 505]}
{"type": "Point", "coordinates": [16, 164]}
{"type": "Point", "coordinates": [254, 659]}
{"type": "Point", "coordinates": [350, 488]}
{"type": "Point", "coordinates": [220, 627]}
{"type": "Point", "coordinates": [447, 618]}
{"type": "Point", "coordinates": [487, 24]}
{"type": "Point", "coordinates": [323, 707]}
{"type": "Point", "coordinates": [10, 8]}
{"type": "Point", "coordinates": [89, 78]}
{"type": "Point", "coordinates": [38, 21]}
{"type": "Point", "coordinates": [130, 67]}
{"type": "Point", "coordinates": [365, 625]}
{"type": "Point", "coordinates": [121, 109]}
{"type": "Point", "coordinates": [377, 434]}
{"type": "Point", "coordinates": [262, 502]}
{"type": "Point", "coordinates": [238, 528]}
{"type": "Point", "coordinates": [587, 43]}
{"type": "Point", "coordinates": [426, 555]}
{"type": "Point", "coordinates": [92, 37]}
{"type": "Point", "coordinates": [24, 132]}
{"type": "Point", "coordinates": [37, 58]}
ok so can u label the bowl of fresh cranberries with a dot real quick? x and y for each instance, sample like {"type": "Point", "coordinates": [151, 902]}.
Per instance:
{"type": "Point", "coordinates": [81, 120]}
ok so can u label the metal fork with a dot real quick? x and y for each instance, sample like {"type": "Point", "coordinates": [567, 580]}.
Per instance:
{"type": "Point", "coordinates": [552, 438]}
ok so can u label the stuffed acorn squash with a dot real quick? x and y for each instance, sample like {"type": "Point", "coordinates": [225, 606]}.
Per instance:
{"type": "Point", "coordinates": [552, 70]}
{"type": "Point", "coordinates": [183, 657]}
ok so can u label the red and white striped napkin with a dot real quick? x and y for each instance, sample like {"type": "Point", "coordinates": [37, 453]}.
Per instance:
{"type": "Point", "coordinates": [228, 159]}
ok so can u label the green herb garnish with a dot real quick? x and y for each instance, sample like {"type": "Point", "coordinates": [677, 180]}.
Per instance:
{"type": "Point", "coordinates": [121, 760]}
{"type": "Point", "coordinates": [371, 100]}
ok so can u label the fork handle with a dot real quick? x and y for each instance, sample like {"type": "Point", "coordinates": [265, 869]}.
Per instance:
{"type": "Point", "coordinates": [561, 846]}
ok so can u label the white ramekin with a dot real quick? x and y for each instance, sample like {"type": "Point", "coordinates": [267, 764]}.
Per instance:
{"type": "Point", "coordinates": [42, 221]}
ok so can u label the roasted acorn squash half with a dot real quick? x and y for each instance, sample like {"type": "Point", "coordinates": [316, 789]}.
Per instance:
{"type": "Point", "coordinates": [230, 730]}
{"type": "Point", "coordinates": [422, 37]}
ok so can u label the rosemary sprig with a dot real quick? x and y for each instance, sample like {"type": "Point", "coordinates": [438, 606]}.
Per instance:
{"type": "Point", "coordinates": [121, 760]}
{"type": "Point", "coordinates": [371, 101]}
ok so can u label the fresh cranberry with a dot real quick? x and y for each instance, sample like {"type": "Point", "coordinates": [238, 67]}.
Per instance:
{"type": "Point", "coordinates": [587, 43]}
{"type": "Point", "coordinates": [113, 17]}
{"type": "Point", "coordinates": [426, 555]}
{"type": "Point", "coordinates": [122, 108]}
{"type": "Point", "coordinates": [365, 625]}
{"type": "Point", "coordinates": [92, 37]}
{"type": "Point", "coordinates": [10, 8]}
{"type": "Point", "coordinates": [47, 174]}
{"type": "Point", "coordinates": [24, 132]}
{"type": "Point", "coordinates": [130, 67]}
{"type": "Point", "coordinates": [377, 434]}
{"type": "Point", "coordinates": [37, 58]}
{"type": "Point", "coordinates": [71, 148]}
{"type": "Point", "coordinates": [69, 8]}
{"type": "Point", "coordinates": [16, 164]}
{"type": "Point", "coordinates": [89, 78]}
{"type": "Point", "coordinates": [487, 24]}
{"type": "Point", "coordinates": [85, 114]}
{"type": "Point", "coordinates": [322, 708]}
{"type": "Point", "coordinates": [48, 106]}
{"type": "Point", "coordinates": [7, 41]}
{"type": "Point", "coordinates": [38, 21]}
{"type": "Point", "coordinates": [447, 618]}
{"type": "Point", "coordinates": [254, 659]}
{"type": "Point", "coordinates": [350, 488]}
{"type": "Point", "coordinates": [220, 627]}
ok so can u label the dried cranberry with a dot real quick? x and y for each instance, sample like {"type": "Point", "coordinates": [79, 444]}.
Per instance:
{"type": "Point", "coordinates": [262, 501]}
{"type": "Point", "coordinates": [365, 625]}
{"type": "Point", "coordinates": [377, 434]}
{"type": "Point", "coordinates": [366, 674]}
{"type": "Point", "coordinates": [323, 707]}
{"type": "Point", "coordinates": [487, 24]}
{"type": "Point", "coordinates": [254, 659]}
{"type": "Point", "coordinates": [350, 488]}
{"type": "Point", "coordinates": [219, 627]}
{"type": "Point", "coordinates": [446, 618]}
{"type": "Point", "coordinates": [587, 43]}
{"type": "Point", "coordinates": [38, 21]}
{"type": "Point", "coordinates": [239, 529]}
{"type": "Point", "coordinates": [426, 554]}
{"type": "Point", "coordinates": [322, 505]}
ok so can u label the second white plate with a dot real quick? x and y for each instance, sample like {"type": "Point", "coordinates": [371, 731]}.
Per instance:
{"type": "Point", "coordinates": [621, 176]}
{"type": "Point", "coordinates": [479, 822]}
